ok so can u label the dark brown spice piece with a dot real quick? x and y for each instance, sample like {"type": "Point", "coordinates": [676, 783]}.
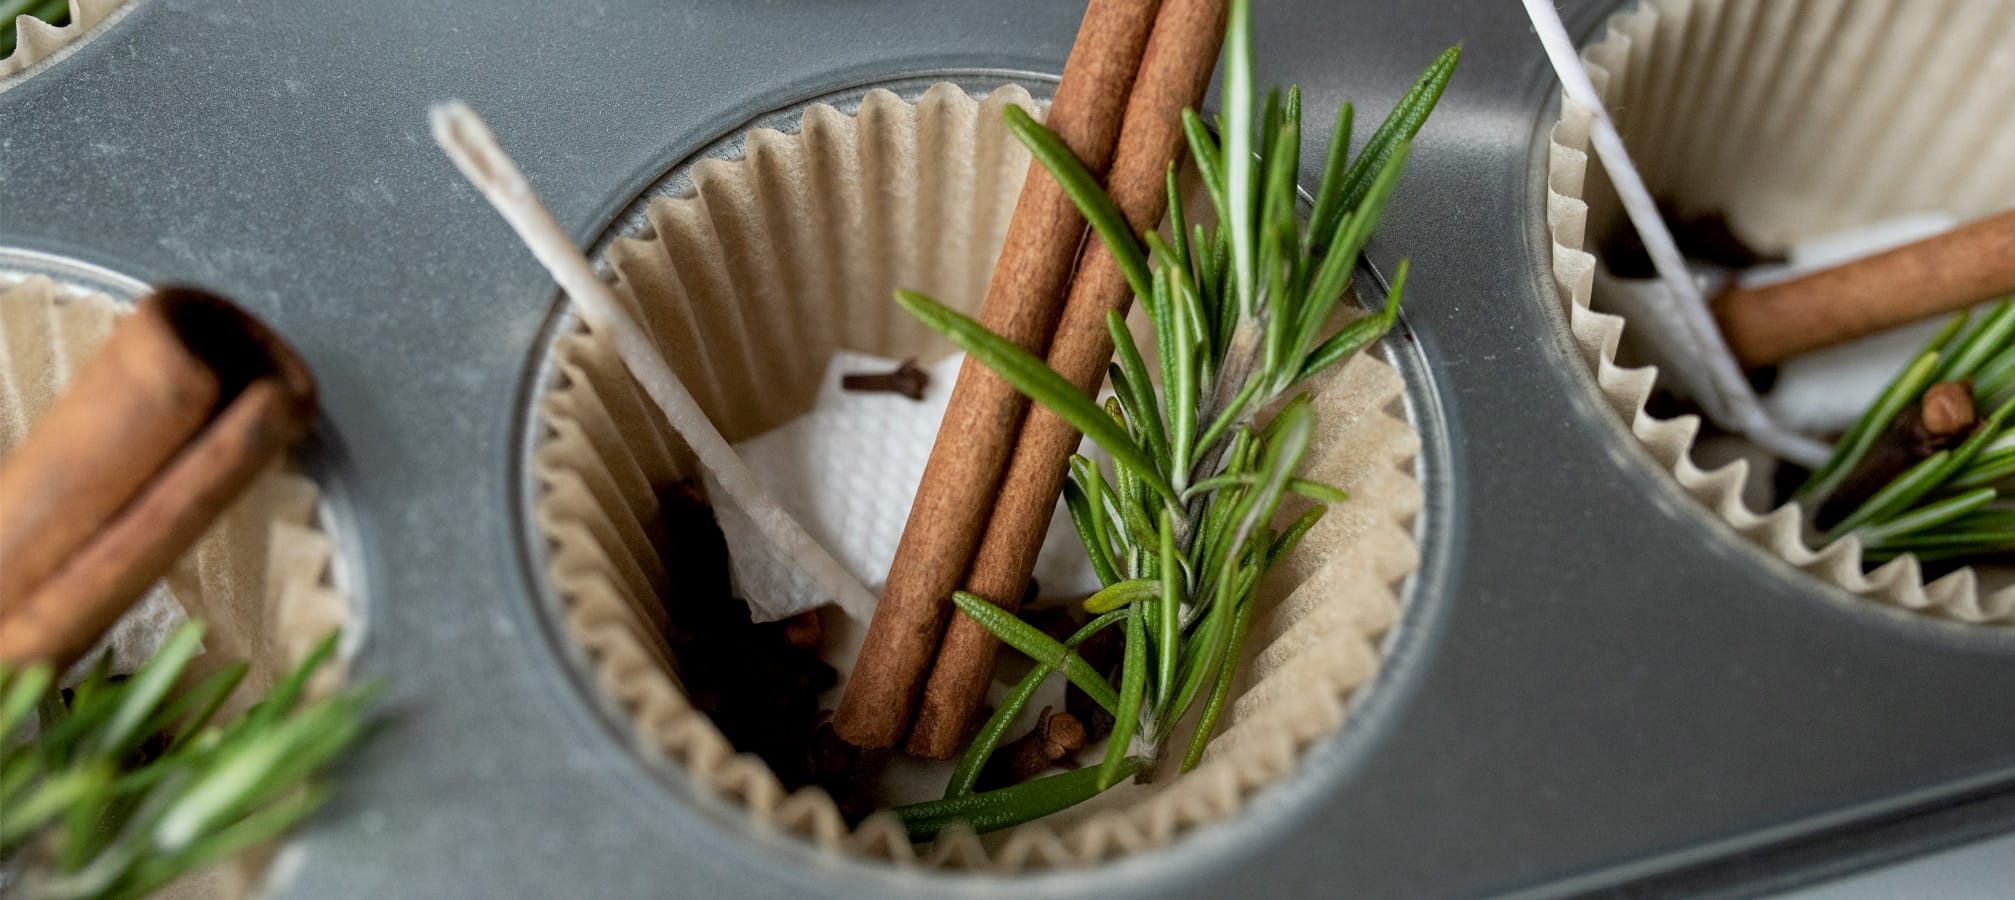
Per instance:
{"type": "Point", "coordinates": [906, 379]}
{"type": "Point", "coordinates": [806, 631]}
{"type": "Point", "coordinates": [1051, 742]}
{"type": "Point", "coordinates": [1940, 420]}
{"type": "Point", "coordinates": [1704, 236]}
{"type": "Point", "coordinates": [841, 769]}
{"type": "Point", "coordinates": [760, 683]}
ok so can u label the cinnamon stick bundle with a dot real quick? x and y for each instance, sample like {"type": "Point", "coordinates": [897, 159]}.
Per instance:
{"type": "Point", "coordinates": [1940, 274]}
{"type": "Point", "coordinates": [1175, 71]}
{"type": "Point", "coordinates": [176, 414]}
{"type": "Point", "coordinates": [985, 412]}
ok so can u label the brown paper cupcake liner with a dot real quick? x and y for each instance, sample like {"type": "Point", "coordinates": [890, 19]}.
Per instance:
{"type": "Point", "coordinates": [748, 285]}
{"type": "Point", "coordinates": [1792, 119]}
{"type": "Point", "coordinates": [36, 40]}
{"type": "Point", "coordinates": [263, 577]}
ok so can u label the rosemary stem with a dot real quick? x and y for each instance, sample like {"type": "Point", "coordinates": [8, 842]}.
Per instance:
{"type": "Point", "coordinates": [1247, 346]}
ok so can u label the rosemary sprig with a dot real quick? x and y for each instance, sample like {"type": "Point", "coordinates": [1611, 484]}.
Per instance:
{"type": "Point", "coordinates": [1182, 530]}
{"type": "Point", "coordinates": [123, 788]}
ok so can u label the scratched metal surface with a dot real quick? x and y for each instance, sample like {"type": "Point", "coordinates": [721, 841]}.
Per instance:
{"type": "Point", "coordinates": [1597, 685]}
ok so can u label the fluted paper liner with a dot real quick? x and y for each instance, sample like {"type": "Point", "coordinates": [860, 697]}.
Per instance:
{"type": "Point", "coordinates": [260, 578]}
{"type": "Point", "coordinates": [793, 251]}
{"type": "Point", "coordinates": [1793, 119]}
{"type": "Point", "coordinates": [36, 40]}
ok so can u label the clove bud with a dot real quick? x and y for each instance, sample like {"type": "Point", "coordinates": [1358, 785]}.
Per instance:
{"type": "Point", "coordinates": [806, 631]}
{"type": "Point", "coordinates": [1948, 408]}
{"type": "Point", "coordinates": [1941, 419]}
{"type": "Point", "coordinates": [1056, 736]}
{"type": "Point", "coordinates": [906, 379]}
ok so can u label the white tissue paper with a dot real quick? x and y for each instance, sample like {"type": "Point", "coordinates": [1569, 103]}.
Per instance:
{"type": "Point", "coordinates": [848, 470]}
{"type": "Point", "coordinates": [135, 638]}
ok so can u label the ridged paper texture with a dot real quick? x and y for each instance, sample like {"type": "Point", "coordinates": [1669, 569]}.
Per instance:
{"type": "Point", "coordinates": [260, 578]}
{"type": "Point", "coordinates": [748, 285]}
{"type": "Point", "coordinates": [36, 40]}
{"type": "Point", "coordinates": [1793, 119]}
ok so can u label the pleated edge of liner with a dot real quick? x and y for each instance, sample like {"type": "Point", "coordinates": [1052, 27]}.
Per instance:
{"type": "Point", "coordinates": [38, 43]}
{"type": "Point", "coordinates": [1899, 583]}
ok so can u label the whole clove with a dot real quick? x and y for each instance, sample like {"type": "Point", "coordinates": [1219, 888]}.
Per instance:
{"type": "Point", "coordinates": [1939, 420]}
{"type": "Point", "coordinates": [1053, 740]}
{"type": "Point", "coordinates": [759, 682]}
{"type": "Point", "coordinates": [841, 769]}
{"type": "Point", "coordinates": [806, 631]}
{"type": "Point", "coordinates": [906, 379]}
{"type": "Point", "coordinates": [1948, 409]}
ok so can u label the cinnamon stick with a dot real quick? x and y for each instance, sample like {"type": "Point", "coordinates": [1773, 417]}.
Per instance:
{"type": "Point", "coordinates": [124, 415]}
{"type": "Point", "coordinates": [984, 412]}
{"type": "Point", "coordinates": [1937, 275]}
{"type": "Point", "coordinates": [178, 489]}
{"type": "Point", "coordinates": [1175, 71]}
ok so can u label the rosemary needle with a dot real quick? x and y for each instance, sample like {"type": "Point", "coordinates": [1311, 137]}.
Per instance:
{"type": "Point", "coordinates": [123, 812]}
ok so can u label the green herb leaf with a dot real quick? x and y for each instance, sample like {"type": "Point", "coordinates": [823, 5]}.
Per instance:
{"type": "Point", "coordinates": [1038, 646]}
{"type": "Point", "coordinates": [1929, 516]}
{"type": "Point", "coordinates": [1009, 806]}
{"type": "Point", "coordinates": [1169, 628]}
{"type": "Point", "coordinates": [1121, 595]}
{"type": "Point", "coordinates": [144, 692]}
{"type": "Point", "coordinates": [1220, 691]}
{"type": "Point", "coordinates": [1082, 187]}
{"type": "Point", "coordinates": [1132, 687]}
{"type": "Point", "coordinates": [1854, 445]}
{"type": "Point", "coordinates": [1399, 126]}
{"type": "Point", "coordinates": [1238, 154]}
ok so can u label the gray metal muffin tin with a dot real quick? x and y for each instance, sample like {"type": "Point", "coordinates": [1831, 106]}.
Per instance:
{"type": "Point", "coordinates": [1596, 685]}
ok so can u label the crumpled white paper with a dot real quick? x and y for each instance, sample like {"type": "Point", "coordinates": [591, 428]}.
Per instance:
{"type": "Point", "coordinates": [135, 638]}
{"type": "Point", "coordinates": [848, 471]}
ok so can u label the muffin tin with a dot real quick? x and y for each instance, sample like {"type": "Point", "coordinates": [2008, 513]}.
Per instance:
{"type": "Point", "coordinates": [1597, 684]}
